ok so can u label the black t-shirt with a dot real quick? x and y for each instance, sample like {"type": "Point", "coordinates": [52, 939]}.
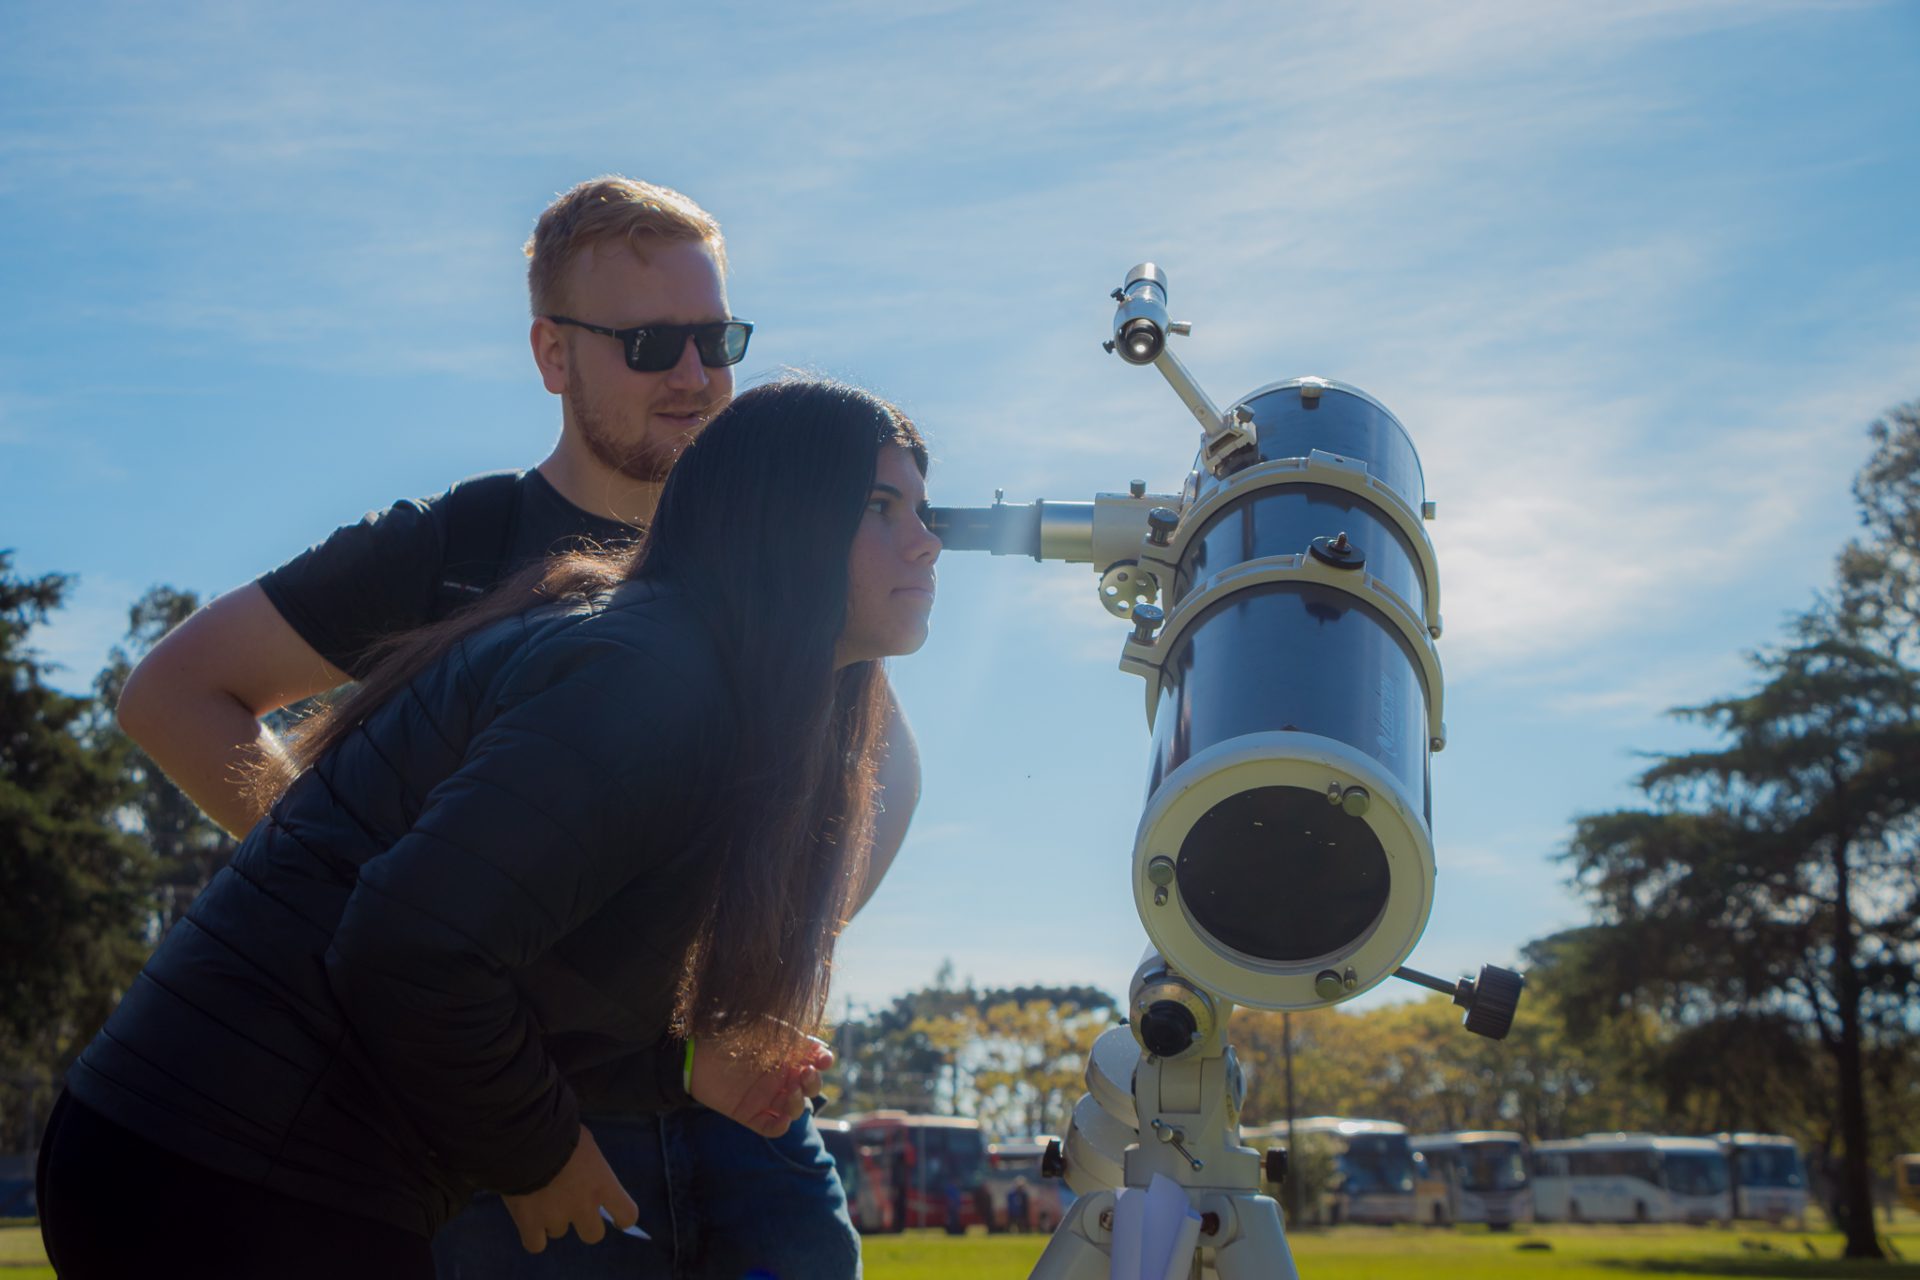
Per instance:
{"type": "Point", "coordinates": [390, 572]}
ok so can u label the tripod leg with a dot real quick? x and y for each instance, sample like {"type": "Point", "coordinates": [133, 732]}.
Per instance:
{"type": "Point", "coordinates": [1080, 1246]}
{"type": "Point", "coordinates": [1259, 1251]}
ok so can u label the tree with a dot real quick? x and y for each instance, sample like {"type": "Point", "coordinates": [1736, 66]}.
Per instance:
{"type": "Point", "coordinates": [1414, 1063]}
{"type": "Point", "coordinates": [1012, 1057]}
{"type": "Point", "coordinates": [72, 884]}
{"type": "Point", "coordinates": [188, 846]}
{"type": "Point", "coordinates": [1776, 877]}
{"type": "Point", "coordinates": [1026, 1054]}
{"type": "Point", "coordinates": [891, 1059]}
{"type": "Point", "coordinates": [1879, 573]}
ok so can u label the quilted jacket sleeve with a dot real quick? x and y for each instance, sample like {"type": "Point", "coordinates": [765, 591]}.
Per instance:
{"type": "Point", "coordinates": [576, 786]}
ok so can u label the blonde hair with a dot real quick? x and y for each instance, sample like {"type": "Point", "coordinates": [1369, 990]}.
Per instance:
{"type": "Point", "coordinates": [607, 208]}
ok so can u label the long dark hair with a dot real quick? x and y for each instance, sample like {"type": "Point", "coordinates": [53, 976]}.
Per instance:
{"type": "Point", "coordinates": [753, 530]}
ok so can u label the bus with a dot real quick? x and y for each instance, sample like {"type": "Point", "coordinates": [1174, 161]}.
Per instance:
{"type": "Point", "coordinates": [1906, 1181]}
{"type": "Point", "coordinates": [930, 1166]}
{"type": "Point", "coordinates": [1013, 1161]}
{"type": "Point", "coordinates": [1631, 1177]}
{"type": "Point", "coordinates": [1482, 1175]}
{"type": "Point", "coordinates": [1769, 1178]}
{"type": "Point", "coordinates": [1372, 1167]}
{"type": "Point", "coordinates": [860, 1176]}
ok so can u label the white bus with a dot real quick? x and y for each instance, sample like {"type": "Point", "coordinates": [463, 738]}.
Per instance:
{"type": "Point", "coordinates": [1372, 1167]}
{"type": "Point", "coordinates": [1769, 1178]}
{"type": "Point", "coordinates": [1482, 1174]}
{"type": "Point", "coordinates": [1631, 1177]}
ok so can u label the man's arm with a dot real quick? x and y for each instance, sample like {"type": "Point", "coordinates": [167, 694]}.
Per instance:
{"type": "Point", "coordinates": [899, 794]}
{"type": "Point", "coordinates": [194, 702]}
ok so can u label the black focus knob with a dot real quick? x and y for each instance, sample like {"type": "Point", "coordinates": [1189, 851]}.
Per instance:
{"type": "Point", "coordinates": [1496, 996]}
{"type": "Point", "coordinates": [1167, 1028]}
{"type": "Point", "coordinates": [1274, 1165]}
{"type": "Point", "coordinates": [1161, 522]}
{"type": "Point", "coordinates": [1053, 1161]}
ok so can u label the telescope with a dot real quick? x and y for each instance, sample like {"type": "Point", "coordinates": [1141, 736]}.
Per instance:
{"type": "Point", "coordinates": [1284, 613]}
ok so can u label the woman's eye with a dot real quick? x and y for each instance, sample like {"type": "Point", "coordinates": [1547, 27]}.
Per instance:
{"type": "Point", "coordinates": [878, 506]}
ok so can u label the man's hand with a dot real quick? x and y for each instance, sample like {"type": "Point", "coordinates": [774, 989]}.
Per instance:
{"type": "Point", "coordinates": [765, 1101]}
{"type": "Point", "coordinates": [573, 1200]}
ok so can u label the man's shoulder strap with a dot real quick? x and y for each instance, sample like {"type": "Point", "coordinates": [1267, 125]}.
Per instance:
{"type": "Point", "coordinates": [477, 519]}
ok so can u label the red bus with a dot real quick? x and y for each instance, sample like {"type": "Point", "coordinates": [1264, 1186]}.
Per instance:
{"type": "Point", "coordinates": [868, 1202]}
{"type": "Point", "coordinates": [929, 1167]}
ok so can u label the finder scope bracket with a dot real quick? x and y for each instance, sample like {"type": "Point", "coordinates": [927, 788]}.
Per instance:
{"type": "Point", "coordinates": [1140, 332]}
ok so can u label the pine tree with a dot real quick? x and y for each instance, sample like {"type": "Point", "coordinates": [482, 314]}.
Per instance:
{"type": "Point", "coordinates": [1776, 877]}
{"type": "Point", "coordinates": [73, 885]}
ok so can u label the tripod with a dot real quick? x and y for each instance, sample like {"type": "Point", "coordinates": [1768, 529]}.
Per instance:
{"type": "Point", "coordinates": [1190, 1104]}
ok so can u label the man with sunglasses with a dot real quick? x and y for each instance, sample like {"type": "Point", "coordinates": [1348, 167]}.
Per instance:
{"type": "Point", "coordinates": [631, 329]}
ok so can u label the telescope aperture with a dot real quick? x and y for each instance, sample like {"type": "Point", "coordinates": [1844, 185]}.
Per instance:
{"type": "Point", "coordinates": [1279, 874]}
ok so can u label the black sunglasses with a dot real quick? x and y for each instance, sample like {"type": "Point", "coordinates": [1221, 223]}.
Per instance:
{"type": "Point", "coordinates": [656, 348]}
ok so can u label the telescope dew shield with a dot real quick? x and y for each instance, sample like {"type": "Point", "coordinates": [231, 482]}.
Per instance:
{"type": "Point", "coordinates": [1285, 858]}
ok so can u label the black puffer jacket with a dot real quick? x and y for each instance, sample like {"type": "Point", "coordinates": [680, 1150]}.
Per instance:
{"type": "Point", "coordinates": [469, 914]}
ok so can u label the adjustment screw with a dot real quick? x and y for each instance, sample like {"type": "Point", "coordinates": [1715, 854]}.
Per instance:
{"type": "Point", "coordinates": [1138, 488]}
{"type": "Point", "coordinates": [1160, 875]}
{"type": "Point", "coordinates": [1356, 802]}
{"type": "Point", "coordinates": [1146, 620]}
{"type": "Point", "coordinates": [1161, 522]}
{"type": "Point", "coordinates": [1118, 296]}
{"type": "Point", "coordinates": [1327, 985]}
{"type": "Point", "coordinates": [1107, 346]}
{"type": "Point", "coordinates": [1276, 1165]}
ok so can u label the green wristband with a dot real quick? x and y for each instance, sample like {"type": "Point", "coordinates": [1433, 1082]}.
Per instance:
{"type": "Point", "coordinates": [686, 1068]}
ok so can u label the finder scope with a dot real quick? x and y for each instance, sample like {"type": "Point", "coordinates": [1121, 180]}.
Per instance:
{"type": "Point", "coordinates": [1140, 322]}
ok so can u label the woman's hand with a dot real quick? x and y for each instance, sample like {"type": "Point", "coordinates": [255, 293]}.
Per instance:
{"type": "Point", "coordinates": [573, 1199]}
{"type": "Point", "coordinates": [765, 1101]}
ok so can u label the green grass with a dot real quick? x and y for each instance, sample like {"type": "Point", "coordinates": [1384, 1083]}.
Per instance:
{"type": "Point", "coordinates": [1363, 1253]}
{"type": "Point", "coordinates": [1414, 1253]}
{"type": "Point", "coordinates": [21, 1257]}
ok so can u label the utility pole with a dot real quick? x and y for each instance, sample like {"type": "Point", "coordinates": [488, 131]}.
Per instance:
{"type": "Point", "coordinates": [1291, 1190]}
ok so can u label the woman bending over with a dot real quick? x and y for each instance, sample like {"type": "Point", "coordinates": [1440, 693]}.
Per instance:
{"type": "Point", "coordinates": [530, 860]}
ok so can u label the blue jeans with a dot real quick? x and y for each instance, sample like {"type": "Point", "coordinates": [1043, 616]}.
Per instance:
{"type": "Point", "coordinates": [720, 1201]}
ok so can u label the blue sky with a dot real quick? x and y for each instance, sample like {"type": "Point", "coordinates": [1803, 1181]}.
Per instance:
{"type": "Point", "coordinates": [1634, 275]}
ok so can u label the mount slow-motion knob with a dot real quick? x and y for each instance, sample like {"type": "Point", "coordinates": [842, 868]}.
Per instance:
{"type": "Point", "coordinates": [1490, 1001]}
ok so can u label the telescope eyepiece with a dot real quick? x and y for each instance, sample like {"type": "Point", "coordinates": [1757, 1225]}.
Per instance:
{"type": "Point", "coordinates": [1141, 341]}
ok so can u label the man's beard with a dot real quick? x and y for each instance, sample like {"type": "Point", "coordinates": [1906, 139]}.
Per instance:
{"type": "Point", "coordinates": [642, 459]}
